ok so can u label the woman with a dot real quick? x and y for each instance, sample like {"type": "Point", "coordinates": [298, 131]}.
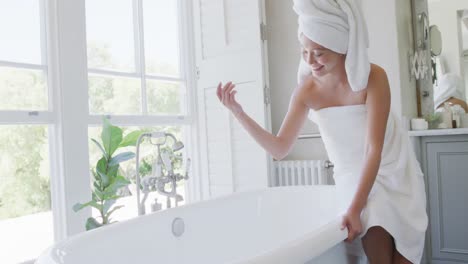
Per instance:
{"type": "Point", "coordinates": [376, 173]}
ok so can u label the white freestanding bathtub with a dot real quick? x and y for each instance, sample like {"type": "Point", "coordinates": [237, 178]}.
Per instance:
{"type": "Point", "coordinates": [276, 225]}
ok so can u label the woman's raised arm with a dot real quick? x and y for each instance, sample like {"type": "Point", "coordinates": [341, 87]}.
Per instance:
{"type": "Point", "coordinates": [280, 145]}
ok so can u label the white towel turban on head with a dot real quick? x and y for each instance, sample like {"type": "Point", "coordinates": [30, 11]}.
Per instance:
{"type": "Point", "coordinates": [337, 25]}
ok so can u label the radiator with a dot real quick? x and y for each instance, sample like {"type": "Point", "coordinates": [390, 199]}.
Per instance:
{"type": "Point", "coordinates": [302, 172]}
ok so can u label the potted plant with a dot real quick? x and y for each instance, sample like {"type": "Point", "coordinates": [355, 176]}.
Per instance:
{"type": "Point", "coordinates": [107, 179]}
{"type": "Point", "coordinates": [433, 119]}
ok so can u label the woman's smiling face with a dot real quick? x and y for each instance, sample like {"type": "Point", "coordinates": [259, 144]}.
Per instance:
{"type": "Point", "coordinates": [320, 59]}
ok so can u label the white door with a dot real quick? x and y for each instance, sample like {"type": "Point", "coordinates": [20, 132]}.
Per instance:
{"type": "Point", "coordinates": [229, 46]}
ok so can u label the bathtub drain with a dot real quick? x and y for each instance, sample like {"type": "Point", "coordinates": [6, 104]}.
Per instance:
{"type": "Point", "coordinates": [178, 227]}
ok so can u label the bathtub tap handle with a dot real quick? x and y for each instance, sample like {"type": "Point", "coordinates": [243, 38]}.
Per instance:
{"type": "Point", "coordinates": [167, 161]}
{"type": "Point", "coordinates": [187, 168]}
{"type": "Point", "coordinates": [156, 206]}
{"type": "Point", "coordinates": [158, 180]}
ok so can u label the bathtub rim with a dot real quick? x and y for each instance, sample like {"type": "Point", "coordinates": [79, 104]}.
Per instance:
{"type": "Point", "coordinates": [301, 242]}
{"type": "Point", "coordinates": [48, 253]}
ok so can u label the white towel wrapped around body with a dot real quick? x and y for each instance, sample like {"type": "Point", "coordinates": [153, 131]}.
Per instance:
{"type": "Point", "coordinates": [397, 200]}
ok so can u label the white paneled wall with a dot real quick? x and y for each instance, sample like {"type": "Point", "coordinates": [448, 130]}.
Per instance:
{"type": "Point", "coordinates": [229, 48]}
{"type": "Point", "coordinates": [245, 151]}
{"type": "Point", "coordinates": [240, 16]}
{"type": "Point", "coordinates": [229, 30]}
{"type": "Point", "coordinates": [218, 156]}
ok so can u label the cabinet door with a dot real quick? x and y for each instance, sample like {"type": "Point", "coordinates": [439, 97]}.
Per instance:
{"type": "Point", "coordinates": [447, 176]}
{"type": "Point", "coordinates": [229, 46]}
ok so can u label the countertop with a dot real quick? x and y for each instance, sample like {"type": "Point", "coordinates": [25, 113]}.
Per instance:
{"type": "Point", "coordinates": [438, 132]}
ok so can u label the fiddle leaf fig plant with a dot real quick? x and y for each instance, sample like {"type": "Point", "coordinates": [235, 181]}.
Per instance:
{"type": "Point", "coordinates": [107, 179]}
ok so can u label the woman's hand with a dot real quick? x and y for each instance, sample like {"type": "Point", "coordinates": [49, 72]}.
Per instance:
{"type": "Point", "coordinates": [352, 221]}
{"type": "Point", "coordinates": [227, 96]}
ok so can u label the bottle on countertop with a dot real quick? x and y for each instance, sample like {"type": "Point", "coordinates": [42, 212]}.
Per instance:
{"type": "Point", "coordinates": [458, 112]}
{"type": "Point", "coordinates": [447, 115]}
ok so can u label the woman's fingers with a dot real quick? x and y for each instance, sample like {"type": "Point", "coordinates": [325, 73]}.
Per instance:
{"type": "Point", "coordinates": [231, 98]}
{"type": "Point", "coordinates": [232, 86]}
{"type": "Point", "coordinates": [343, 223]}
{"type": "Point", "coordinates": [352, 234]}
{"type": "Point", "coordinates": [228, 90]}
{"type": "Point", "coordinates": [234, 96]}
{"type": "Point", "coordinates": [346, 224]}
{"type": "Point", "coordinates": [222, 91]}
{"type": "Point", "coordinates": [218, 91]}
{"type": "Point", "coordinates": [227, 95]}
{"type": "Point", "coordinates": [353, 224]}
{"type": "Point", "coordinates": [226, 86]}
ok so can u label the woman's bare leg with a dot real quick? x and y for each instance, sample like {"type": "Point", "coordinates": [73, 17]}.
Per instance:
{"type": "Point", "coordinates": [378, 246]}
{"type": "Point", "coordinates": [398, 258]}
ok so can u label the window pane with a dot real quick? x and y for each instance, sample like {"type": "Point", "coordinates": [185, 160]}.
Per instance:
{"type": "Point", "coordinates": [25, 212]}
{"type": "Point", "coordinates": [164, 98]}
{"type": "Point", "coordinates": [114, 95]}
{"type": "Point", "coordinates": [22, 89]}
{"type": "Point", "coordinates": [20, 31]}
{"type": "Point", "coordinates": [109, 32]}
{"type": "Point", "coordinates": [161, 37]}
{"type": "Point", "coordinates": [128, 168]}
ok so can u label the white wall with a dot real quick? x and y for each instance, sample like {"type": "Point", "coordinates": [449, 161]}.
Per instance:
{"type": "Point", "coordinates": [391, 40]}
{"type": "Point", "coordinates": [407, 86]}
{"type": "Point", "coordinates": [390, 36]}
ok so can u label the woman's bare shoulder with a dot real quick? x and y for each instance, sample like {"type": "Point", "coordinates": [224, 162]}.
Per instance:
{"type": "Point", "coordinates": [377, 78]}
{"type": "Point", "coordinates": [378, 87]}
{"type": "Point", "coordinates": [308, 84]}
{"type": "Point", "coordinates": [377, 72]}
{"type": "Point", "coordinates": [306, 91]}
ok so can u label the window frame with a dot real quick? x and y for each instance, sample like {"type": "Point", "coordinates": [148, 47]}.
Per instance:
{"type": "Point", "coordinates": [49, 117]}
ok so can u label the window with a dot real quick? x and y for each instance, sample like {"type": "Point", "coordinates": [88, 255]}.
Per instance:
{"type": "Point", "coordinates": [133, 58]}
{"type": "Point", "coordinates": [135, 77]}
{"type": "Point", "coordinates": [25, 126]}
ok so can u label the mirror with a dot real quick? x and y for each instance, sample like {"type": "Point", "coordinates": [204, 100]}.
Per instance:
{"type": "Point", "coordinates": [436, 40]}
{"type": "Point", "coordinates": [448, 38]}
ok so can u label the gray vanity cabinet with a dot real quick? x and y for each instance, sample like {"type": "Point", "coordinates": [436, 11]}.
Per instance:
{"type": "Point", "coordinates": [445, 165]}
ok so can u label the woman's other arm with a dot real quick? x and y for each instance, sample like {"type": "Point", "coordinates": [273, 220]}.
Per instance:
{"type": "Point", "coordinates": [456, 101]}
{"type": "Point", "coordinates": [378, 109]}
